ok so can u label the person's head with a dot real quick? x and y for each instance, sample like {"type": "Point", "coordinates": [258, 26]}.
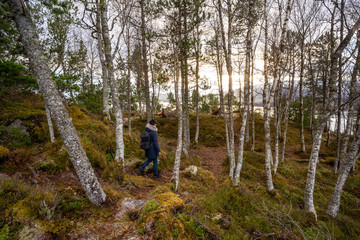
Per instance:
{"type": "Point", "coordinates": [152, 122]}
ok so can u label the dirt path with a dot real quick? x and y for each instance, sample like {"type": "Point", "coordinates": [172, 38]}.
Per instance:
{"type": "Point", "coordinates": [212, 159]}
{"type": "Point", "coordinates": [143, 192]}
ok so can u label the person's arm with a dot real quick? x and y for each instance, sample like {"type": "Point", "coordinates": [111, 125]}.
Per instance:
{"type": "Point", "coordinates": [156, 144]}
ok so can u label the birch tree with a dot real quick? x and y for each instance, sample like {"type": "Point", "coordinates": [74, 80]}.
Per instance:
{"type": "Point", "coordinates": [120, 148]}
{"type": "Point", "coordinates": [290, 95]}
{"type": "Point", "coordinates": [329, 107]}
{"type": "Point", "coordinates": [351, 103]}
{"type": "Point", "coordinates": [51, 128]}
{"type": "Point", "coordinates": [54, 103]}
{"type": "Point", "coordinates": [342, 5]}
{"type": "Point", "coordinates": [144, 61]}
{"type": "Point", "coordinates": [227, 49]}
{"type": "Point", "coordinates": [268, 93]}
{"type": "Point", "coordinates": [344, 170]}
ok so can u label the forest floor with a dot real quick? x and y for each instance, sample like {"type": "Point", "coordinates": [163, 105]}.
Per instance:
{"type": "Point", "coordinates": [212, 159]}
{"type": "Point", "coordinates": [40, 194]}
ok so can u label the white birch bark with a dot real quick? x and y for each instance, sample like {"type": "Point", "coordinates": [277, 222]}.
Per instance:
{"type": "Point", "coordinates": [179, 113]}
{"type": "Point", "coordinates": [302, 136]}
{"type": "Point", "coordinates": [100, 47]}
{"type": "Point", "coordinates": [268, 154]}
{"type": "Point", "coordinates": [144, 61]}
{"type": "Point", "coordinates": [128, 77]}
{"type": "Point", "coordinates": [245, 118]}
{"type": "Point", "coordinates": [197, 53]}
{"type": "Point", "coordinates": [252, 103]}
{"type": "Point", "coordinates": [219, 72]}
{"type": "Point", "coordinates": [277, 121]}
{"type": "Point", "coordinates": [119, 154]}
{"type": "Point", "coordinates": [329, 106]}
{"type": "Point", "coordinates": [344, 170]}
{"type": "Point", "coordinates": [287, 106]}
{"type": "Point", "coordinates": [338, 136]}
{"type": "Point", "coordinates": [269, 93]}
{"type": "Point", "coordinates": [54, 103]}
{"type": "Point", "coordinates": [227, 53]}
{"type": "Point", "coordinates": [351, 104]}
{"type": "Point", "coordinates": [51, 128]}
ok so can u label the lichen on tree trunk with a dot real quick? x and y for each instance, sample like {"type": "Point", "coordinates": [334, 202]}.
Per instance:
{"type": "Point", "coordinates": [54, 103]}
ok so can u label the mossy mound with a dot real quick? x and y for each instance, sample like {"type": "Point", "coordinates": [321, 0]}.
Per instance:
{"type": "Point", "coordinates": [4, 152]}
{"type": "Point", "coordinates": [161, 218]}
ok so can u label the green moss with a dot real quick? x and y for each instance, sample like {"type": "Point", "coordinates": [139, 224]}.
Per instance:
{"type": "Point", "coordinates": [49, 167]}
{"type": "Point", "coordinates": [4, 152]}
{"type": "Point", "coordinates": [22, 212]}
{"type": "Point", "coordinates": [139, 181]}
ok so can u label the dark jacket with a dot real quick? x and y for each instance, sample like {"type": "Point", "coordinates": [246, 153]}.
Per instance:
{"type": "Point", "coordinates": [154, 150]}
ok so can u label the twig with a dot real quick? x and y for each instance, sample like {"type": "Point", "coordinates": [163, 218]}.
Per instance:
{"type": "Point", "coordinates": [212, 234]}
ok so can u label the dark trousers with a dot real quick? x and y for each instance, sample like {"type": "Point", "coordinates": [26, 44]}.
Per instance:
{"type": "Point", "coordinates": [148, 162]}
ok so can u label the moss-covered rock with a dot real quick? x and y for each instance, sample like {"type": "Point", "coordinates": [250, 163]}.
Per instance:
{"type": "Point", "coordinates": [169, 201]}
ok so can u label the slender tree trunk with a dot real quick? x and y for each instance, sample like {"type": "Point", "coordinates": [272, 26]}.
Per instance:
{"type": "Point", "coordinates": [128, 78]}
{"type": "Point", "coordinates": [277, 121]}
{"type": "Point", "coordinates": [244, 122]}
{"type": "Point", "coordinates": [144, 61]}
{"type": "Point", "coordinates": [179, 113]}
{"type": "Point", "coordinates": [338, 136]}
{"type": "Point", "coordinates": [313, 94]}
{"type": "Point", "coordinates": [186, 95]}
{"type": "Point", "coordinates": [51, 128]}
{"type": "Point", "coordinates": [322, 120]}
{"type": "Point", "coordinates": [252, 104]}
{"type": "Point", "coordinates": [288, 103]}
{"type": "Point", "coordinates": [350, 114]}
{"type": "Point", "coordinates": [328, 128]}
{"type": "Point", "coordinates": [54, 103]}
{"type": "Point", "coordinates": [139, 90]}
{"type": "Point", "coordinates": [197, 55]}
{"type": "Point", "coordinates": [219, 72]}
{"type": "Point", "coordinates": [269, 94]}
{"type": "Point", "coordinates": [247, 128]}
{"type": "Point", "coordinates": [152, 109]}
{"type": "Point", "coordinates": [227, 53]}
{"type": "Point", "coordinates": [266, 107]}
{"type": "Point", "coordinates": [302, 63]}
{"type": "Point", "coordinates": [119, 155]}
{"type": "Point", "coordinates": [344, 170]}
{"type": "Point", "coordinates": [106, 105]}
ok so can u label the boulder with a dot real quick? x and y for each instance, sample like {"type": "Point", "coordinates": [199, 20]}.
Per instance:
{"type": "Point", "coordinates": [18, 124]}
{"type": "Point", "coordinates": [34, 233]}
{"type": "Point", "coordinates": [129, 205]}
{"type": "Point", "coordinates": [191, 170]}
{"type": "Point", "coordinates": [4, 177]}
{"type": "Point", "coordinates": [133, 162]}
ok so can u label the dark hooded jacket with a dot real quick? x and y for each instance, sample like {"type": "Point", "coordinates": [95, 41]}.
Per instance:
{"type": "Point", "coordinates": [154, 149]}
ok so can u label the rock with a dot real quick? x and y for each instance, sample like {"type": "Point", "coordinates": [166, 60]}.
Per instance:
{"type": "Point", "coordinates": [150, 166]}
{"type": "Point", "coordinates": [133, 162]}
{"type": "Point", "coordinates": [34, 233]}
{"type": "Point", "coordinates": [217, 217]}
{"type": "Point", "coordinates": [191, 170]}
{"type": "Point", "coordinates": [17, 124]}
{"type": "Point", "coordinates": [130, 205]}
{"type": "Point", "coordinates": [4, 177]}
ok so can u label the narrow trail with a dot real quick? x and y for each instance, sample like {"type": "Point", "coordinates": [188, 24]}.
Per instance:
{"type": "Point", "coordinates": [212, 159]}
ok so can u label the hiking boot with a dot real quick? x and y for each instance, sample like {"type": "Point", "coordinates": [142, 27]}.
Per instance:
{"type": "Point", "coordinates": [142, 173]}
{"type": "Point", "coordinates": [158, 176]}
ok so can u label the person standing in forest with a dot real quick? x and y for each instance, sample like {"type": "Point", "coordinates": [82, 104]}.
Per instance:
{"type": "Point", "coordinates": [149, 142]}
